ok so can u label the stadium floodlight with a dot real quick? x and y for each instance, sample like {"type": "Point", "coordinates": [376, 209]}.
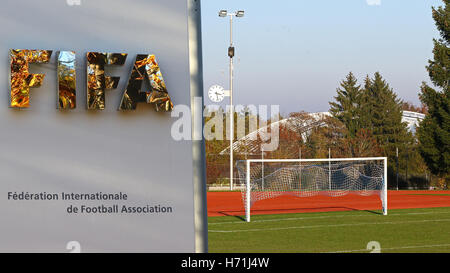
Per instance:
{"type": "Point", "coordinates": [329, 176]}
{"type": "Point", "coordinates": [223, 13]}
{"type": "Point", "coordinates": [231, 51]}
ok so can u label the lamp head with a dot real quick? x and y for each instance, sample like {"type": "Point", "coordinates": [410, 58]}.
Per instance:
{"type": "Point", "coordinates": [223, 13]}
{"type": "Point", "coordinates": [240, 13]}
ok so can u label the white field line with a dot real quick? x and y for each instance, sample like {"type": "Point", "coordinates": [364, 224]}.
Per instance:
{"type": "Point", "coordinates": [324, 217]}
{"type": "Point", "coordinates": [390, 248]}
{"type": "Point", "coordinates": [327, 226]}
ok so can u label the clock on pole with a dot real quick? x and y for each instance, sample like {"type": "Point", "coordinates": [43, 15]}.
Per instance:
{"type": "Point", "coordinates": [216, 93]}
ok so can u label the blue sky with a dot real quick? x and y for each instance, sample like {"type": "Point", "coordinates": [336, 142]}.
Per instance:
{"type": "Point", "coordinates": [294, 53]}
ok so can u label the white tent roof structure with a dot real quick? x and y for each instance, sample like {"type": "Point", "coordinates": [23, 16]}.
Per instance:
{"type": "Point", "coordinates": [250, 144]}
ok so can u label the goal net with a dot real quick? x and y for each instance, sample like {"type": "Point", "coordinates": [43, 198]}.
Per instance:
{"type": "Point", "coordinates": [269, 178]}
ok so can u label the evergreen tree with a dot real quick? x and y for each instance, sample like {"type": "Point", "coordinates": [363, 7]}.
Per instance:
{"type": "Point", "coordinates": [372, 112]}
{"type": "Point", "coordinates": [365, 106]}
{"type": "Point", "coordinates": [382, 115]}
{"type": "Point", "coordinates": [346, 108]}
{"type": "Point", "coordinates": [434, 130]}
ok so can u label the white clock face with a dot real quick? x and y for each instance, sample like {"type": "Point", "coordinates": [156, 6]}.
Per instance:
{"type": "Point", "coordinates": [216, 93]}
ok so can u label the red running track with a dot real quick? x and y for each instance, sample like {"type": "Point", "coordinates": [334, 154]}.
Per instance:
{"type": "Point", "coordinates": [230, 203]}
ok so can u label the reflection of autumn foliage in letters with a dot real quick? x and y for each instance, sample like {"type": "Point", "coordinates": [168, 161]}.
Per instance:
{"type": "Point", "coordinates": [97, 82]}
{"type": "Point", "coordinates": [146, 66]}
{"type": "Point", "coordinates": [21, 80]}
{"type": "Point", "coordinates": [66, 80]}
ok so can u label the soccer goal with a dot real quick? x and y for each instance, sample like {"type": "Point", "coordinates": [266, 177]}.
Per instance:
{"type": "Point", "coordinates": [269, 178]}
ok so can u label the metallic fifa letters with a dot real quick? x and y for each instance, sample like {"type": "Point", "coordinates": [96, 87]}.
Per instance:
{"type": "Point", "coordinates": [20, 79]}
{"type": "Point", "coordinates": [145, 68]}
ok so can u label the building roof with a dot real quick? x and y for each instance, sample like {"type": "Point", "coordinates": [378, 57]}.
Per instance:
{"type": "Point", "coordinates": [250, 144]}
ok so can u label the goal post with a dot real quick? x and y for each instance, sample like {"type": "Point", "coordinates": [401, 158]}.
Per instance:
{"type": "Point", "coordinates": [310, 177]}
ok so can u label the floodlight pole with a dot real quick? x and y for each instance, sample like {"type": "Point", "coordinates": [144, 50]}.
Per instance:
{"type": "Point", "coordinates": [231, 102]}
{"type": "Point", "coordinates": [224, 13]}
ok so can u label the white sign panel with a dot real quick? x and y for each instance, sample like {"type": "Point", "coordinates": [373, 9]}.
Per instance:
{"type": "Point", "coordinates": [94, 180]}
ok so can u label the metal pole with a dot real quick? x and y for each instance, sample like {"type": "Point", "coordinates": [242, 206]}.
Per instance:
{"type": "Point", "coordinates": [247, 194]}
{"type": "Point", "coordinates": [300, 164]}
{"type": "Point", "coordinates": [231, 106]}
{"type": "Point", "coordinates": [385, 196]}
{"type": "Point", "coordinates": [262, 168]}
{"type": "Point", "coordinates": [407, 157]}
{"type": "Point", "coordinates": [198, 144]}
{"type": "Point", "coordinates": [231, 29]}
{"type": "Point", "coordinates": [329, 168]}
{"type": "Point", "coordinates": [396, 159]}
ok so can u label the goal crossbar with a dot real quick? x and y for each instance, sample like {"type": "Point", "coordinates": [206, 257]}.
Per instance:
{"type": "Point", "coordinates": [316, 159]}
{"type": "Point", "coordinates": [383, 195]}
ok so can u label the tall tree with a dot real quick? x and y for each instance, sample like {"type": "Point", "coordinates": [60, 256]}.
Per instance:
{"type": "Point", "coordinates": [434, 130]}
{"type": "Point", "coordinates": [365, 105]}
{"type": "Point", "coordinates": [346, 106]}
{"type": "Point", "coordinates": [382, 115]}
{"type": "Point", "coordinates": [371, 113]}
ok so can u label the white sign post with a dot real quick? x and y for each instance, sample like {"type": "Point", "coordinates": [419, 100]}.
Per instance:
{"type": "Point", "coordinates": [100, 180]}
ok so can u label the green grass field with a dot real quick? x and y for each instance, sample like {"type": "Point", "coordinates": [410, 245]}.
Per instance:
{"type": "Point", "coordinates": [405, 230]}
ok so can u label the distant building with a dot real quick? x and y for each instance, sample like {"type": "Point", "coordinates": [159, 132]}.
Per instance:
{"type": "Point", "coordinates": [250, 145]}
{"type": "Point", "coordinates": [412, 119]}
